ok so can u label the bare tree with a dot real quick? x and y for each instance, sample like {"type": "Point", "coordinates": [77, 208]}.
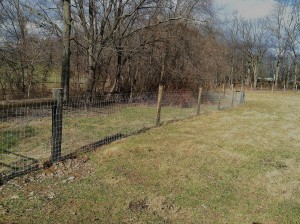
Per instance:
{"type": "Point", "coordinates": [231, 35]}
{"type": "Point", "coordinates": [21, 48]}
{"type": "Point", "coordinates": [293, 34]}
{"type": "Point", "coordinates": [116, 45]}
{"type": "Point", "coordinates": [255, 43]}
{"type": "Point", "coordinates": [278, 21]}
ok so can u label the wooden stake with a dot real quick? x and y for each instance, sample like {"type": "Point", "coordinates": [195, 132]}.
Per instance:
{"type": "Point", "coordinates": [158, 113]}
{"type": "Point", "coordinates": [199, 101]}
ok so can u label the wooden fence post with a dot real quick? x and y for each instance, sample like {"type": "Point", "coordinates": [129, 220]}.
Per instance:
{"type": "Point", "coordinates": [284, 88]}
{"type": "Point", "coordinates": [57, 117]}
{"type": "Point", "coordinates": [261, 87]}
{"type": "Point", "coordinates": [158, 113]}
{"type": "Point", "coordinates": [272, 88]}
{"type": "Point", "coordinates": [199, 101]}
{"type": "Point", "coordinates": [224, 90]}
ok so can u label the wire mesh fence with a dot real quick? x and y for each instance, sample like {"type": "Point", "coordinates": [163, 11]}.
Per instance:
{"type": "Point", "coordinates": [270, 87]}
{"type": "Point", "coordinates": [35, 133]}
{"type": "Point", "coordinates": [24, 137]}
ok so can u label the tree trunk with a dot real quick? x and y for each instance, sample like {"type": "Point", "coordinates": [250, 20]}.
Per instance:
{"type": "Point", "coordinates": [132, 82]}
{"type": "Point", "coordinates": [23, 72]}
{"type": "Point", "coordinates": [3, 91]}
{"type": "Point", "coordinates": [296, 73]}
{"type": "Point", "coordinates": [255, 76]}
{"type": "Point", "coordinates": [278, 66]}
{"type": "Point", "coordinates": [119, 69]}
{"type": "Point", "coordinates": [232, 75]}
{"type": "Point", "coordinates": [30, 76]}
{"type": "Point", "coordinates": [248, 78]}
{"type": "Point", "coordinates": [65, 71]}
{"type": "Point", "coordinates": [91, 51]}
{"type": "Point", "coordinates": [287, 77]}
{"type": "Point", "coordinates": [92, 74]}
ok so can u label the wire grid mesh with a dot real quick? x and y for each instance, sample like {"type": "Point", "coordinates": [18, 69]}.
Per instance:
{"type": "Point", "coordinates": [31, 135]}
{"type": "Point", "coordinates": [209, 101]}
{"type": "Point", "coordinates": [178, 105]}
{"type": "Point", "coordinates": [87, 125]}
{"type": "Point", "coordinates": [272, 88]}
{"type": "Point", "coordinates": [25, 137]}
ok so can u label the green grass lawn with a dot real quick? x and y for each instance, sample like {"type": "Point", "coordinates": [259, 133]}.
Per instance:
{"type": "Point", "coordinates": [10, 138]}
{"type": "Point", "coordinates": [239, 165]}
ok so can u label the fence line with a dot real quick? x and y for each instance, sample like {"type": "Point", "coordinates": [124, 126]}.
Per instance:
{"type": "Point", "coordinates": [10, 104]}
{"type": "Point", "coordinates": [34, 133]}
{"type": "Point", "coordinates": [272, 88]}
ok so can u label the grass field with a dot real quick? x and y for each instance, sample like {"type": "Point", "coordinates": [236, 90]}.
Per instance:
{"type": "Point", "coordinates": [239, 165]}
{"type": "Point", "coordinates": [31, 137]}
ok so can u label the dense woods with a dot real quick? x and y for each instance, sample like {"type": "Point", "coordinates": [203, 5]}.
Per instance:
{"type": "Point", "coordinates": [92, 47]}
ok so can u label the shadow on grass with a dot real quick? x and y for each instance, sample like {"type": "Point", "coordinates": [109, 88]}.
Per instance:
{"type": "Point", "coordinates": [9, 139]}
{"type": "Point", "coordinates": [22, 167]}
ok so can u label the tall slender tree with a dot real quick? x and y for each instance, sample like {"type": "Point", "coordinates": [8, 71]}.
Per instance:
{"type": "Point", "coordinates": [65, 70]}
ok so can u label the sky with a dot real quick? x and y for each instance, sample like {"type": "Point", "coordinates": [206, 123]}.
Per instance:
{"type": "Point", "coordinates": [248, 9]}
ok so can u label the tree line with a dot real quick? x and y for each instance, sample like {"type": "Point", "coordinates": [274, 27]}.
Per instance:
{"type": "Point", "coordinates": [121, 46]}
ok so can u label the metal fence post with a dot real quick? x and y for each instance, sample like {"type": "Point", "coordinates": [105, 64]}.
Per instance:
{"type": "Point", "coordinates": [232, 101]}
{"type": "Point", "coordinates": [242, 97]}
{"type": "Point", "coordinates": [224, 91]}
{"type": "Point", "coordinates": [199, 101]}
{"type": "Point", "coordinates": [158, 113]}
{"type": "Point", "coordinates": [57, 117]}
{"type": "Point", "coordinates": [219, 101]}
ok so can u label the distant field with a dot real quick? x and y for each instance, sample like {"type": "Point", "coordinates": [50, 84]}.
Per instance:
{"type": "Point", "coordinates": [239, 165]}
{"type": "Point", "coordinates": [54, 79]}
